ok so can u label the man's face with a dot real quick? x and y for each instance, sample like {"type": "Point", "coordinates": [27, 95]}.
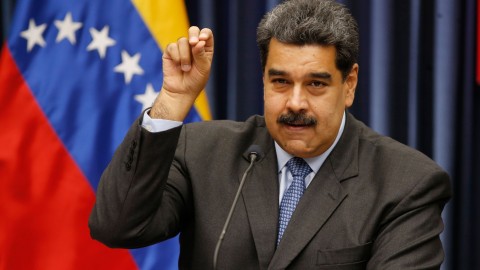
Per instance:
{"type": "Point", "coordinates": [305, 97]}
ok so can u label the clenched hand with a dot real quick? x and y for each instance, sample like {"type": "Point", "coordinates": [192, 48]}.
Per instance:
{"type": "Point", "coordinates": [186, 68]}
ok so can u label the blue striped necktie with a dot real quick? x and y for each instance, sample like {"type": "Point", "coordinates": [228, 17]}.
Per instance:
{"type": "Point", "coordinates": [299, 169]}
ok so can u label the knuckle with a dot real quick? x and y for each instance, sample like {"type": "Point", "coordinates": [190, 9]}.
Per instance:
{"type": "Point", "coordinates": [184, 58]}
{"type": "Point", "coordinates": [172, 48]}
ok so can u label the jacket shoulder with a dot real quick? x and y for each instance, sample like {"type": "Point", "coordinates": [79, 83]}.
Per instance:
{"type": "Point", "coordinates": [388, 150]}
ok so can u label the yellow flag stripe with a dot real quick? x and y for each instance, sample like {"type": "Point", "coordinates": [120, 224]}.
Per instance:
{"type": "Point", "coordinates": [167, 21]}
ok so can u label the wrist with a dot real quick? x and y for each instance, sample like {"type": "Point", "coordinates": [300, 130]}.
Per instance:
{"type": "Point", "coordinates": [171, 106]}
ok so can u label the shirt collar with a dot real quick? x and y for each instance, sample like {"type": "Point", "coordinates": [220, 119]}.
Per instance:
{"type": "Point", "coordinates": [315, 162]}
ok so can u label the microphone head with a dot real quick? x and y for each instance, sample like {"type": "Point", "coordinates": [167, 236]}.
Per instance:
{"type": "Point", "coordinates": [254, 151]}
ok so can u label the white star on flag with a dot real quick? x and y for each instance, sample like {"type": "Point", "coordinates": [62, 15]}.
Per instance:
{"type": "Point", "coordinates": [148, 97]}
{"type": "Point", "coordinates": [129, 66]}
{"type": "Point", "coordinates": [100, 41]}
{"type": "Point", "coordinates": [34, 35]}
{"type": "Point", "coordinates": [67, 28]}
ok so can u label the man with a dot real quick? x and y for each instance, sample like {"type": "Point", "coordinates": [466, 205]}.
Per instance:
{"type": "Point", "coordinates": [326, 192]}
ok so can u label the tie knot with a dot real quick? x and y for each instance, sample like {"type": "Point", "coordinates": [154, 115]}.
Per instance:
{"type": "Point", "coordinates": [298, 167]}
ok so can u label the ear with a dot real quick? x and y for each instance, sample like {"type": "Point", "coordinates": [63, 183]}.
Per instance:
{"type": "Point", "coordinates": [350, 85]}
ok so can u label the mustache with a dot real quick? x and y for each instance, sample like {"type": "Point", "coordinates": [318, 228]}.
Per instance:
{"type": "Point", "coordinates": [297, 119]}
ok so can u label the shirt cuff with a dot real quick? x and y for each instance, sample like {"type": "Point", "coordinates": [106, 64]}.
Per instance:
{"type": "Point", "coordinates": [158, 125]}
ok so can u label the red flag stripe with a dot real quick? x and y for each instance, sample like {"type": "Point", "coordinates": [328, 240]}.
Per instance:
{"type": "Point", "coordinates": [43, 193]}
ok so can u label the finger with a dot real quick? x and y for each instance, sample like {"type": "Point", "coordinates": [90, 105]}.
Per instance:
{"type": "Point", "coordinates": [193, 33]}
{"type": "Point", "coordinates": [206, 35]}
{"type": "Point", "coordinates": [205, 43]}
{"type": "Point", "coordinates": [184, 54]}
{"type": "Point", "coordinates": [199, 49]}
{"type": "Point", "coordinates": [172, 53]}
{"type": "Point", "coordinates": [203, 51]}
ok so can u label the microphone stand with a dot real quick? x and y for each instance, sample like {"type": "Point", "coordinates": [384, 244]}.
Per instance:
{"type": "Point", "coordinates": [253, 157]}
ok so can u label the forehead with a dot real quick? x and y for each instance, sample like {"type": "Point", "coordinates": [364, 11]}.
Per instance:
{"type": "Point", "coordinates": [291, 57]}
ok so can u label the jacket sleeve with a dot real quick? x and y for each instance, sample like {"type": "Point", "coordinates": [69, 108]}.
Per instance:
{"type": "Point", "coordinates": [409, 235]}
{"type": "Point", "coordinates": [136, 203]}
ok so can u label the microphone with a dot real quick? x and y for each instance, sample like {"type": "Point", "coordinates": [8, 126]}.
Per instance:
{"type": "Point", "coordinates": [254, 154]}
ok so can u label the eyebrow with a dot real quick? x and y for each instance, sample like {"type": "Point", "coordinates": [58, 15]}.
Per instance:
{"type": "Point", "coordinates": [276, 72]}
{"type": "Point", "coordinates": [319, 75]}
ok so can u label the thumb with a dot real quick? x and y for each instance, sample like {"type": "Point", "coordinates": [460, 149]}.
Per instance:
{"type": "Point", "coordinates": [202, 49]}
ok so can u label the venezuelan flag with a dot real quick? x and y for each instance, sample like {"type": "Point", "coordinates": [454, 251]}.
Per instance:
{"type": "Point", "coordinates": [74, 75]}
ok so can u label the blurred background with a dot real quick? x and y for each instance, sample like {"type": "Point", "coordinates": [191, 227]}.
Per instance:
{"type": "Point", "coordinates": [419, 83]}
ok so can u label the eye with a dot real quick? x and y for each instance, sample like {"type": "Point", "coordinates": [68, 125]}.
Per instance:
{"type": "Point", "coordinates": [317, 84]}
{"type": "Point", "coordinates": [279, 81]}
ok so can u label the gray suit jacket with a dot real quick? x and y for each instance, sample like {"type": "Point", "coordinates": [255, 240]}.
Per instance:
{"type": "Point", "coordinates": [374, 204]}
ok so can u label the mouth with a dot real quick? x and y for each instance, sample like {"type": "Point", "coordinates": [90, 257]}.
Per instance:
{"type": "Point", "coordinates": [296, 129]}
{"type": "Point", "coordinates": [297, 125]}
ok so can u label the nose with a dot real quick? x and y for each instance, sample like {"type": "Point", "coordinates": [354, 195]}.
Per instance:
{"type": "Point", "coordinates": [297, 101]}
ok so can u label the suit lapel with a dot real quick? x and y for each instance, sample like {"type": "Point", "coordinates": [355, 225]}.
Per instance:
{"type": "Point", "coordinates": [321, 199]}
{"type": "Point", "coordinates": [260, 195]}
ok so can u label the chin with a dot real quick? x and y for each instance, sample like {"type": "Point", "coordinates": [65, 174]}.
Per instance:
{"type": "Point", "coordinates": [298, 149]}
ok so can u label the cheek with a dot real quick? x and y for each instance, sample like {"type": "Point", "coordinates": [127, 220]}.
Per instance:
{"type": "Point", "coordinates": [322, 108]}
{"type": "Point", "coordinates": [273, 103]}
{"type": "Point", "coordinates": [329, 105]}
{"type": "Point", "coordinates": [270, 110]}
